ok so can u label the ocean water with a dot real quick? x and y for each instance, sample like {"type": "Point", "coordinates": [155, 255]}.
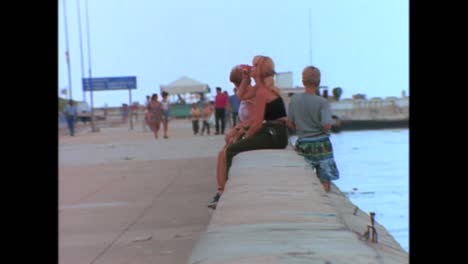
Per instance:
{"type": "Point", "coordinates": [374, 174]}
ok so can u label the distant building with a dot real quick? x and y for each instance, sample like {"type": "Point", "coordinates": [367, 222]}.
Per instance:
{"type": "Point", "coordinates": [359, 96]}
{"type": "Point", "coordinates": [284, 80]}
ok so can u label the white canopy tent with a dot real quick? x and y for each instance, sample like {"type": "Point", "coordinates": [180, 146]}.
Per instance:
{"type": "Point", "coordinates": [185, 85]}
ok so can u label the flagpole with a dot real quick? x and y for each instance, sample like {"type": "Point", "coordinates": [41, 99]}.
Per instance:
{"type": "Point", "coordinates": [93, 128]}
{"type": "Point", "coordinates": [310, 39]}
{"type": "Point", "coordinates": [67, 52]}
{"type": "Point", "coordinates": [81, 49]}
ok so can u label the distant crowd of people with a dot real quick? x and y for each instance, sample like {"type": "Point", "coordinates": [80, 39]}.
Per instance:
{"type": "Point", "coordinates": [220, 113]}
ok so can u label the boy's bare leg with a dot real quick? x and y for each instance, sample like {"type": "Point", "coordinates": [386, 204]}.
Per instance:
{"type": "Point", "coordinates": [326, 186]}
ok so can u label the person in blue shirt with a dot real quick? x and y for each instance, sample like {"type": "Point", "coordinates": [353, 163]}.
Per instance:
{"type": "Point", "coordinates": [234, 102]}
{"type": "Point", "coordinates": [70, 114]}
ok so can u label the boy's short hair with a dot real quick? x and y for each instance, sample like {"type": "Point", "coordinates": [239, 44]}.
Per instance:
{"type": "Point", "coordinates": [311, 76]}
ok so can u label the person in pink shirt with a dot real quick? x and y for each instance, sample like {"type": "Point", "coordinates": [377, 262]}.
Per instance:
{"type": "Point", "coordinates": [246, 94]}
{"type": "Point", "coordinates": [221, 101]}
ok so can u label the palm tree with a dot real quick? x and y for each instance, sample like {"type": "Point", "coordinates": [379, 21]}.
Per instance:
{"type": "Point", "coordinates": [337, 92]}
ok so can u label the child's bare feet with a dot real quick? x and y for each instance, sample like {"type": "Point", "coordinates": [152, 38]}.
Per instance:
{"type": "Point", "coordinates": [326, 186]}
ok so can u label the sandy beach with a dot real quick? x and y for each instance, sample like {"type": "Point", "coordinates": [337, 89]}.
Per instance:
{"type": "Point", "coordinates": [125, 197]}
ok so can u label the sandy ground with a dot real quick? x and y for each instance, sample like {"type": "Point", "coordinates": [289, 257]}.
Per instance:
{"type": "Point", "coordinates": [125, 197]}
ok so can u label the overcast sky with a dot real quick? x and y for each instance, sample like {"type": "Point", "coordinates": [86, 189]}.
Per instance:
{"type": "Point", "coordinates": [359, 45]}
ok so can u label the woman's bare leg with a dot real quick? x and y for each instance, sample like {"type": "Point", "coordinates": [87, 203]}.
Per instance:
{"type": "Point", "coordinates": [155, 129]}
{"type": "Point", "coordinates": [148, 122]}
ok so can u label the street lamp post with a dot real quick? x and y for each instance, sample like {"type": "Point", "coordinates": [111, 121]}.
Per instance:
{"type": "Point", "coordinates": [310, 39]}
{"type": "Point", "coordinates": [81, 47]}
{"type": "Point", "coordinates": [93, 128]}
{"type": "Point", "coordinates": [67, 53]}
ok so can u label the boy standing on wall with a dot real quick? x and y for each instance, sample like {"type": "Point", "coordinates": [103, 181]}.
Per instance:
{"type": "Point", "coordinates": [311, 116]}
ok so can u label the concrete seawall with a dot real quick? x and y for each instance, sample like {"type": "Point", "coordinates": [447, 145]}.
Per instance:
{"type": "Point", "coordinates": [274, 210]}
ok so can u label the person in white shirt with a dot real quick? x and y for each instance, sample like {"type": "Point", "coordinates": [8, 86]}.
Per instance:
{"type": "Point", "coordinates": [166, 112]}
{"type": "Point", "coordinates": [146, 118]}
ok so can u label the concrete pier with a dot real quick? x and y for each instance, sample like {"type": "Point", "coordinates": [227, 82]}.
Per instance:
{"type": "Point", "coordinates": [274, 210]}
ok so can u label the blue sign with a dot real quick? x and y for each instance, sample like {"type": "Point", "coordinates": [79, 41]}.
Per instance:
{"type": "Point", "coordinates": [111, 83]}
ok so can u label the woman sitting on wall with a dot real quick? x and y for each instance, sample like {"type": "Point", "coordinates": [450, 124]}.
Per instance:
{"type": "Point", "coordinates": [267, 127]}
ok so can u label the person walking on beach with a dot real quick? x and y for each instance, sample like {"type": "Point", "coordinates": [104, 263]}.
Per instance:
{"type": "Point", "coordinates": [155, 109]}
{"type": "Point", "coordinates": [147, 116]}
{"type": "Point", "coordinates": [166, 112]}
{"type": "Point", "coordinates": [206, 113]}
{"type": "Point", "coordinates": [134, 110]}
{"type": "Point", "coordinates": [228, 112]}
{"type": "Point", "coordinates": [196, 114]}
{"type": "Point", "coordinates": [221, 102]}
{"type": "Point", "coordinates": [211, 119]}
{"type": "Point", "coordinates": [124, 111]}
{"type": "Point", "coordinates": [267, 127]}
{"type": "Point", "coordinates": [311, 116]}
{"type": "Point", "coordinates": [70, 112]}
{"type": "Point", "coordinates": [234, 102]}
